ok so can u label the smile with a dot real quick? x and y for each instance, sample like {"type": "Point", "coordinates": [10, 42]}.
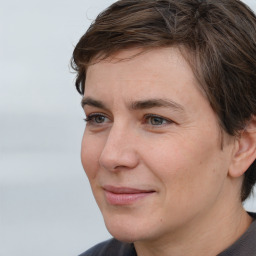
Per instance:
{"type": "Point", "coordinates": [124, 195]}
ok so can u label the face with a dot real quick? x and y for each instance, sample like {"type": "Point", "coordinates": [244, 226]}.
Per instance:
{"type": "Point", "coordinates": [151, 146]}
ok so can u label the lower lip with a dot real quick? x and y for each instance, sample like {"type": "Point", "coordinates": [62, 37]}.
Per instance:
{"type": "Point", "coordinates": [125, 199]}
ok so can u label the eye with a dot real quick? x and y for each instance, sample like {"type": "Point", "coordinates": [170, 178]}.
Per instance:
{"type": "Point", "coordinates": [96, 119]}
{"type": "Point", "coordinates": [99, 119]}
{"type": "Point", "coordinates": [156, 120]}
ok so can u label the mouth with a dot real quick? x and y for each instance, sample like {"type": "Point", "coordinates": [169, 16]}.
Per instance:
{"type": "Point", "coordinates": [125, 195]}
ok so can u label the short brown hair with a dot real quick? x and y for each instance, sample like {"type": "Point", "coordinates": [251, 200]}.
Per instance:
{"type": "Point", "coordinates": [219, 38]}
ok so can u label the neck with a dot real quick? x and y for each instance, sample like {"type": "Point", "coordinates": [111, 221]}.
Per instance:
{"type": "Point", "coordinates": [207, 235]}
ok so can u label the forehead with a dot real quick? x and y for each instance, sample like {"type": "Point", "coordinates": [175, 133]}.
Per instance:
{"type": "Point", "coordinates": [136, 73]}
{"type": "Point", "coordinates": [160, 64]}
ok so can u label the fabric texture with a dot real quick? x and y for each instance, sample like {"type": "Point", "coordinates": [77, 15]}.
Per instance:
{"type": "Point", "coordinates": [244, 246]}
{"type": "Point", "coordinates": [111, 247]}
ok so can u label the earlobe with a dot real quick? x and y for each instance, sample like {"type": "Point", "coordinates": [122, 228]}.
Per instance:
{"type": "Point", "coordinates": [244, 150]}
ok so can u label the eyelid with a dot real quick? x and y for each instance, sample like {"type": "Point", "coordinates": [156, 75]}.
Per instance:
{"type": "Point", "coordinates": [167, 120]}
{"type": "Point", "coordinates": [89, 118]}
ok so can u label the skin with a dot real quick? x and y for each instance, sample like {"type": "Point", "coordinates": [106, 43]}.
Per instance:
{"type": "Point", "coordinates": [194, 206]}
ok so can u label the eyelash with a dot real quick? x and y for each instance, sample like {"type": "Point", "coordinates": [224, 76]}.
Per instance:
{"type": "Point", "coordinates": [163, 119]}
{"type": "Point", "coordinates": [90, 119]}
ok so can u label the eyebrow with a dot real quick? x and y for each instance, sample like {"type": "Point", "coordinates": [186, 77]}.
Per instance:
{"type": "Point", "coordinates": [92, 102]}
{"type": "Point", "coordinates": [137, 105]}
{"type": "Point", "coordinates": [153, 103]}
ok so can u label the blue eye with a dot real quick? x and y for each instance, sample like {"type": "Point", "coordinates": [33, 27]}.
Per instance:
{"type": "Point", "coordinates": [99, 119]}
{"type": "Point", "coordinates": [156, 120]}
{"type": "Point", "coordinates": [96, 119]}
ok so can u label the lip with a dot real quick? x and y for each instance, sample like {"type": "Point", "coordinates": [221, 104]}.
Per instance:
{"type": "Point", "coordinates": [125, 195]}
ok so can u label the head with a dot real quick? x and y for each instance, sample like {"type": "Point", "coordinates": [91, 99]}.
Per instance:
{"type": "Point", "coordinates": [217, 38]}
{"type": "Point", "coordinates": [214, 43]}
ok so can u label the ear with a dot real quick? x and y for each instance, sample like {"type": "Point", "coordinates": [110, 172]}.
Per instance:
{"type": "Point", "coordinates": [244, 150]}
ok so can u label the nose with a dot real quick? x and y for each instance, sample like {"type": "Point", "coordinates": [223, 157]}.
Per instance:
{"type": "Point", "coordinates": [119, 151]}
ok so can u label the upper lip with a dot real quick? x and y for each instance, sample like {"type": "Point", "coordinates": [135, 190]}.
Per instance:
{"type": "Point", "coordinates": [126, 190]}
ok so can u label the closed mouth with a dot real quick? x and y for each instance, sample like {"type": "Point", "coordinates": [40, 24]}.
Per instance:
{"type": "Point", "coordinates": [125, 195]}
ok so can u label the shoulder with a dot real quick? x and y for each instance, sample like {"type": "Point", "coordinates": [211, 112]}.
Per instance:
{"type": "Point", "coordinates": [111, 247]}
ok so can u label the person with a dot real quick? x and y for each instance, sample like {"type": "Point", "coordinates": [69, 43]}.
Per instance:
{"type": "Point", "coordinates": [169, 147]}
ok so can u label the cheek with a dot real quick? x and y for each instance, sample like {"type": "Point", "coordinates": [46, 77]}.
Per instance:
{"type": "Point", "coordinates": [186, 165]}
{"type": "Point", "coordinates": [90, 153]}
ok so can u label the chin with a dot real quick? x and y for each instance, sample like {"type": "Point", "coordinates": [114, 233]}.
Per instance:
{"type": "Point", "coordinates": [125, 231]}
{"type": "Point", "coordinates": [124, 237]}
{"type": "Point", "coordinates": [131, 229]}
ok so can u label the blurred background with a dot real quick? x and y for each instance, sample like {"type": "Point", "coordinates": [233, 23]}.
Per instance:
{"type": "Point", "coordinates": [46, 206]}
